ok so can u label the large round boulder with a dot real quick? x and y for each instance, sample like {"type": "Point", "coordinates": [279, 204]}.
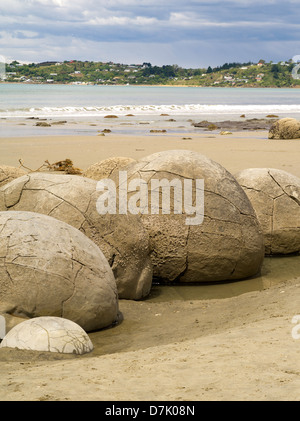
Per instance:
{"type": "Point", "coordinates": [275, 196]}
{"type": "Point", "coordinates": [73, 199]}
{"type": "Point", "coordinates": [50, 334]}
{"type": "Point", "coordinates": [285, 128]}
{"type": "Point", "coordinates": [210, 231]}
{"type": "Point", "coordinates": [49, 268]}
{"type": "Point", "coordinates": [8, 174]}
{"type": "Point", "coordinates": [107, 167]}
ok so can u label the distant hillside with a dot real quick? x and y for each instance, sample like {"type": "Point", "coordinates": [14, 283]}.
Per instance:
{"type": "Point", "coordinates": [249, 74]}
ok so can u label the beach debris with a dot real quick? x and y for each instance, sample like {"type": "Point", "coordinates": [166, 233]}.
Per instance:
{"type": "Point", "coordinates": [107, 167]}
{"type": "Point", "coordinates": [53, 268]}
{"type": "Point", "coordinates": [106, 131]}
{"type": "Point", "coordinates": [275, 197]}
{"type": "Point", "coordinates": [65, 166]}
{"type": "Point", "coordinates": [285, 128]}
{"type": "Point", "coordinates": [50, 334]}
{"type": "Point", "coordinates": [74, 199]}
{"type": "Point", "coordinates": [158, 131]}
{"type": "Point", "coordinates": [211, 127]}
{"type": "Point", "coordinates": [111, 116]}
{"type": "Point", "coordinates": [242, 115]}
{"type": "Point", "coordinates": [272, 116]}
{"type": "Point", "coordinates": [42, 124]}
{"type": "Point", "coordinates": [225, 132]}
{"type": "Point", "coordinates": [8, 173]}
{"type": "Point", "coordinates": [164, 115]}
{"type": "Point", "coordinates": [129, 115]}
{"type": "Point", "coordinates": [223, 243]}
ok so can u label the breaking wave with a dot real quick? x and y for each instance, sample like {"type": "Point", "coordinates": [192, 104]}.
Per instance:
{"type": "Point", "coordinates": [186, 109]}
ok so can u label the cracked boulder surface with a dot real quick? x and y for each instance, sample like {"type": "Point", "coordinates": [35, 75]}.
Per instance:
{"type": "Point", "coordinates": [285, 128]}
{"type": "Point", "coordinates": [107, 167]}
{"type": "Point", "coordinates": [227, 245]}
{"type": "Point", "coordinates": [275, 196]}
{"type": "Point", "coordinates": [72, 199]}
{"type": "Point", "coordinates": [49, 268]}
{"type": "Point", "coordinates": [8, 174]}
{"type": "Point", "coordinates": [50, 334]}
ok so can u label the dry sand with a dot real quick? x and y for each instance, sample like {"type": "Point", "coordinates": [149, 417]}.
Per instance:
{"type": "Point", "coordinates": [169, 347]}
{"type": "Point", "coordinates": [235, 152]}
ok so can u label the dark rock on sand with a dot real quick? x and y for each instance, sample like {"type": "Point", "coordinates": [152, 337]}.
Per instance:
{"type": "Point", "coordinates": [43, 124]}
{"type": "Point", "coordinates": [250, 124]}
{"type": "Point", "coordinates": [285, 128]}
{"type": "Point", "coordinates": [59, 122]}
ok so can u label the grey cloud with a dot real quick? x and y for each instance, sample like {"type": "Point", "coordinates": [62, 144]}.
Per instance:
{"type": "Point", "coordinates": [235, 27]}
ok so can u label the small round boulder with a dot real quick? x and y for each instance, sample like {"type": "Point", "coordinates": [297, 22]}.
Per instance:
{"type": "Point", "coordinates": [49, 268]}
{"type": "Point", "coordinates": [285, 128]}
{"type": "Point", "coordinates": [50, 334]}
{"type": "Point", "coordinates": [275, 196]}
{"type": "Point", "coordinates": [107, 167]}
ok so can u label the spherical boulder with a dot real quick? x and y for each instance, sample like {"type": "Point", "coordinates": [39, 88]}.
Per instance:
{"type": "Point", "coordinates": [107, 167]}
{"type": "Point", "coordinates": [285, 128]}
{"type": "Point", "coordinates": [275, 196]}
{"type": "Point", "coordinates": [203, 228]}
{"type": "Point", "coordinates": [8, 174]}
{"type": "Point", "coordinates": [49, 268]}
{"type": "Point", "coordinates": [51, 334]}
{"type": "Point", "coordinates": [73, 199]}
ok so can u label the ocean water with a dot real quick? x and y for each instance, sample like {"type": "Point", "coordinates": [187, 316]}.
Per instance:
{"type": "Point", "coordinates": [25, 100]}
{"type": "Point", "coordinates": [84, 105]}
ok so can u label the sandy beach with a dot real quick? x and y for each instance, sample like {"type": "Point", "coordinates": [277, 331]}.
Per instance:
{"type": "Point", "coordinates": [235, 152]}
{"type": "Point", "coordinates": [176, 345]}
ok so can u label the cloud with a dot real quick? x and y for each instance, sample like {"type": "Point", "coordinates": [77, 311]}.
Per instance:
{"type": "Point", "coordinates": [158, 31]}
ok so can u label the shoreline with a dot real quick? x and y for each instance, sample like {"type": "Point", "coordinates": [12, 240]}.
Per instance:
{"type": "Point", "coordinates": [150, 85]}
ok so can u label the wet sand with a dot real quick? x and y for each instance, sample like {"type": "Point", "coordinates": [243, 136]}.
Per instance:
{"type": "Point", "coordinates": [228, 341]}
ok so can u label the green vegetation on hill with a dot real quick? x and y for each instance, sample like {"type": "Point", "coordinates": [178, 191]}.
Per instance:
{"type": "Point", "coordinates": [248, 74]}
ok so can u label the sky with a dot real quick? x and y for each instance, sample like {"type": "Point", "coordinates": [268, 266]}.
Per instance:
{"type": "Point", "coordinates": [189, 33]}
